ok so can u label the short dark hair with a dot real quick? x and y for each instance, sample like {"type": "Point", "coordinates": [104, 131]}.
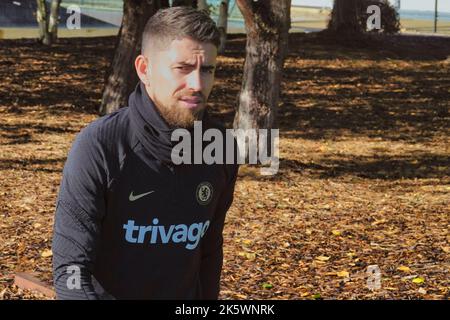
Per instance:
{"type": "Point", "coordinates": [173, 23]}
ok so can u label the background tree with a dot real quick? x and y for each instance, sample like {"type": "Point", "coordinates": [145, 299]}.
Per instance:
{"type": "Point", "coordinates": [202, 5]}
{"type": "Point", "coordinates": [267, 25]}
{"type": "Point", "coordinates": [349, 18]}
{"type": "Point", "coordinates": [189, 3]}
{"type": "Point", "coordinates": [41, 17]}
{"type": "Point", "coordinates": [121, 78]}
{"type": "Point", "coordinates": [48, 21]}
{"type": "Point", "coordinates": [390, 20]}
{"type": "Point", "coordinates": [345, 20]}
{"type": "Point", "coordinates": [222, 24]}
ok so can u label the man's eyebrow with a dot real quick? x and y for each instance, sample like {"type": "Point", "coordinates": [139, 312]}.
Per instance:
{"type": "Point", "coordinates": [203, 66]}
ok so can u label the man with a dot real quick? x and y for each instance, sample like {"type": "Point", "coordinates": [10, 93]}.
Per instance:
{"type": "Point", "coordinates": [129, 223]}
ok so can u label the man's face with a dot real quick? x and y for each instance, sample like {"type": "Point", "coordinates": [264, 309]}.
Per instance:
{"type": "Point", "coordinates": [180, 79]}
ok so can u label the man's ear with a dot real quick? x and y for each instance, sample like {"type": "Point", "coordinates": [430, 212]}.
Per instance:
{"type": "Point", "coordinates": [142, 67]}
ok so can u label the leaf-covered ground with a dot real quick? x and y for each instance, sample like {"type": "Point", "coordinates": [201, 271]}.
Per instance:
{"type": "Point", "coordinates": [364, 176]}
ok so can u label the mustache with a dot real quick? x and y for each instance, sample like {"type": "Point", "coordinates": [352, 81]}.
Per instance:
{"type": "Point", "coordinates": [191, 94]}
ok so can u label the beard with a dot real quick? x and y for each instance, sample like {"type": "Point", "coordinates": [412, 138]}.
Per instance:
{"type": "Point", "coordinates": [178, 116]}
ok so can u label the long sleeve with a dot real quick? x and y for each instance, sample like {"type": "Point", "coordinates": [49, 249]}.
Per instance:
{"type": "Point", "coordinates": [212, 244]}
{"type": "Point", "coordinates": [80, 208]}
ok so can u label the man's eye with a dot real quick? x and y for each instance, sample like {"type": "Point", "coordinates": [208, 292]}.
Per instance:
{"type": "Point", "coordinates": [189, 69]}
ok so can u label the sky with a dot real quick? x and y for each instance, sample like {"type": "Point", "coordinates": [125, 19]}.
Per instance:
{"type": "Point", "coordinates": [443, 5]}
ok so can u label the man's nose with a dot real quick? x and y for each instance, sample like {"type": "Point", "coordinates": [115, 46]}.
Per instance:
{"type": "Point", "coordinates": [194, 81]}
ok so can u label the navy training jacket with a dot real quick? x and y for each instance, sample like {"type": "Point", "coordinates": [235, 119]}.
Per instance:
{"type": "Point", "coordinates": [129, 224]}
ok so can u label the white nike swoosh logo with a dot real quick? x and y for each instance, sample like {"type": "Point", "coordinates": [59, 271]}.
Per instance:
{"type": "Point", "coordinates": [135, 197]}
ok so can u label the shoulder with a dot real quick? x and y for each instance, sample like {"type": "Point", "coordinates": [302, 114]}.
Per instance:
{"type": "Point", "coordinates": [103, 141]}
{"type": "Point", "coordinates": [105, 133]}
{"type": "Point", "coordinates": [108, 128]}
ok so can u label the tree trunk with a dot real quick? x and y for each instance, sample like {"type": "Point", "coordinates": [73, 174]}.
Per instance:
{"type": "Point", "coordinates": [202, 5]}
{"type": "Point", "coordinates": [267, 25]}
{"type": "Point", "coordinates": [163, 4]}
{"type": "Point", "coordinates": [122, 78]}
{"type": "Point", "coordinates": [345, 18]}
{"type": "Point", "coordinates": [54, 20]}
{"type": "Point", "coordinates": [178, 3]}
{"type": "Point", "coordinates": [222, 24]}
{"type": "Point", "coordinates": [48, 23]}
{"type": "Point", "coordinates": [41, 17]}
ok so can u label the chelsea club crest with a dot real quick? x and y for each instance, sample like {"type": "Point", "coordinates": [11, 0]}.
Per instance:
{"type": "Point", "coordinates": [204, 193]}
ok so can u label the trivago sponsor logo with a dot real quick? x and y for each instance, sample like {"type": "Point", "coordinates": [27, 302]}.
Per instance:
{"type": "Point", "coordinates": [155, 234]}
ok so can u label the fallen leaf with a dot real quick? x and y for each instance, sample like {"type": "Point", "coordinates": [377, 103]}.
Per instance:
{"type": "Point", "coordinates": [304, 294]}
{"type": "Point", "coordinates": [418, 280]}
{"type": "Point", "coordinates": [46, 253]}
{"type": "Point", "coordinates": [422, 291]}
{"type": "Point", "coordinates": [336, 232]}
{"type": "Point", "coordinates": [2, 294]}
{"type": "Point", "coordinates": [322, 258]}
{"type": "Point", "coordinates": [404, 269]}
{"type": "Point", "coordinates": [377, 222]}
{"type": "Point", "coordinates": [248, 255]}
{"type": "Point", "coordinates": [343, 274]}
{"type": "Point", "coordinates": [267, 286]}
